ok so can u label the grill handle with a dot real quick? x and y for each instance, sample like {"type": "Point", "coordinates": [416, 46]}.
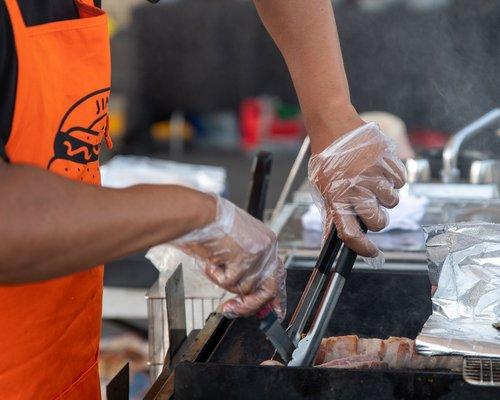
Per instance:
{"type": "Point", "coordinates": [261, 171]}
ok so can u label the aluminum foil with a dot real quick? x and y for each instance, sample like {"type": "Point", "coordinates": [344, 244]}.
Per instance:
{"type": "Point", "coordinates": [464, 262]}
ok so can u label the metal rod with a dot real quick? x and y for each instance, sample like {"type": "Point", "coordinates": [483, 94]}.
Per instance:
{"type": "Point", "coordinates": [192, 314]}
{"type": "Point", "coordinates": [291, 178]}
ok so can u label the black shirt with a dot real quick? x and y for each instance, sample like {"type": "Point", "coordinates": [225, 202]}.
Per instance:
{"type": "Point", "coordinates": [35, 12]}
{"type": "Point", "coordinates": [8, 76]}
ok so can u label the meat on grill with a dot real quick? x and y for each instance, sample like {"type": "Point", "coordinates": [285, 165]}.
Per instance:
{"type": "Point", "coordinates": [394, 353]}
{"type": "Point", "coordinates": [272, 363]}
{"type": "Point", "coordinates": [361, 361]}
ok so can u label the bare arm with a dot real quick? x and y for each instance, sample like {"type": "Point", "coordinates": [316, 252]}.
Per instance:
{"type": "Point", "coordinates": [306, 34]}
{"type": "Point", "coordinates": [357, 177]}
{"type": "Point", "coordinates": [51, 226]}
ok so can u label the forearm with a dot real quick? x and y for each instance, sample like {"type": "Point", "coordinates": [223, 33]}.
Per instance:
{"type": "Point", "coordinates": [306, 34]}
{"type": "Point", "coordinates": [51, 226]}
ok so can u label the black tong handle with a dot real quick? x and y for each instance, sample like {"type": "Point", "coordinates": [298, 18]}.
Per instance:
{"type": "Point", "coordinates": [347, 258]}
{"type": "Point", "coordinates": [328, 252]}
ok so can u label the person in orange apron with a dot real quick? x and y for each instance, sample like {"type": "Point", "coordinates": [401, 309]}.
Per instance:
{"type": "Point", "coordinates": [63, 72]}
{"type": "Point", "coordinates": [53, 230]}
{"type": "Point", "coordinates": [56, 223]}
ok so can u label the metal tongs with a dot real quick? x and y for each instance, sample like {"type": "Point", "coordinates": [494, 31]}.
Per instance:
{"type": "Point", "coordinates": [295, 346]}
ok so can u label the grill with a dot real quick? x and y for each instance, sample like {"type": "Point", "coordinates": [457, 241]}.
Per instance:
{"type": "Point", "coordinates": [222, 360]}
{"type": "Point", "coordinates": [482, 371]}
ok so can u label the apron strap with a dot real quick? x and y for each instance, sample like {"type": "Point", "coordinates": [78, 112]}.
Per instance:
{"type": "Point", "coordinates": [94, 3]}
{"type": "Point", "coordinates": [16, 17]}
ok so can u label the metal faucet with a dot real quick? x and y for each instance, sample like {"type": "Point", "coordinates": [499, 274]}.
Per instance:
{"type": "Point", "coordinates": [450, 172]}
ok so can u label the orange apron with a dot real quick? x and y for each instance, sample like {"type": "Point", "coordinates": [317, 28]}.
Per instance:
{"type": "Point", "coordinates": [49, 331]}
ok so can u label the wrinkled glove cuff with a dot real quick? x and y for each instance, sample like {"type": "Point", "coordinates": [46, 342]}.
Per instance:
{"type": "Point", "coordinates": [221, 226]}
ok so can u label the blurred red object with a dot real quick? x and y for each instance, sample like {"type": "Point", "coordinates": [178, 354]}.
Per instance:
{"type": "Point", "coordinates": [260, 122]}
{"type": "Point", "coordinates": [428, 139]}
{"type": "Point", "coordinates": [288, 128]}
{"type": "Point", "coordinates": [250, 111]}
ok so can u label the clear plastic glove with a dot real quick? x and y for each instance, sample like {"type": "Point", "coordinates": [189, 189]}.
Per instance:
{"type": "Point", "coordinates": [240, 254]}
{"type": "Point", "coordinates": [356, 177]}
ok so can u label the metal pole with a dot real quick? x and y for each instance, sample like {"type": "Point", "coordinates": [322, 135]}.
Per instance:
{"type": "Point", "coordinates": [290, 179]}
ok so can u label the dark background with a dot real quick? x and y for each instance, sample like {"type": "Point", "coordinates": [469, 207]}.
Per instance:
{"type": "Point", "coordinates": [436, 69]}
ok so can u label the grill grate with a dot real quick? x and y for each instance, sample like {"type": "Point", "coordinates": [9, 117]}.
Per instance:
{"type": "Point", "coordinates": [482, 371]}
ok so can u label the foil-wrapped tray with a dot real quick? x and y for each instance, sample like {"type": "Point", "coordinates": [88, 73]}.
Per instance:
{"type": "Point", "coordinates": [464, 262]}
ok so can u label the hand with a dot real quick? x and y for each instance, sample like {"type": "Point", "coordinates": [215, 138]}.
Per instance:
{"type": "Point", "coordinates": [356, 176]}
{"type": "Point", "coordinates": [240, 254]}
